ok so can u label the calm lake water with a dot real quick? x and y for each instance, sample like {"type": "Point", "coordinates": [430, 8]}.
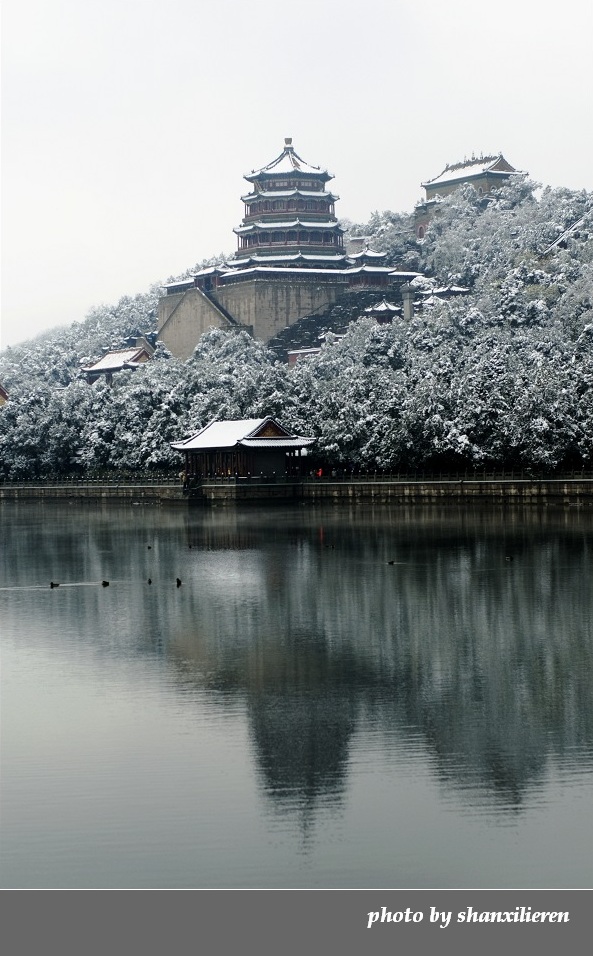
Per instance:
{"type": "Point", "coordinates": [335, 696]}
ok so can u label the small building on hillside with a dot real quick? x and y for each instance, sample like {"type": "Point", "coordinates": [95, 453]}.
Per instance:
{"type": "Point", "coordinates": [118, 360]}
{"type": "Point", "coordinates": [484, 174]}
{"type": "Point", "coordinates": [244, 448]}
{"type": "Point", "coordinates": [383, 311]}
{"type": "Point", "coordinates": [297, 355]}
{"type": "Point", "coordinates": [3, 396]}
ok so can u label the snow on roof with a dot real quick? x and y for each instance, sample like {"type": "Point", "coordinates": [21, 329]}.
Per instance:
{"type": "Point", "coordinates": [288, 163]}
{"type": "Point", "coordinates": [212, 270]}
{"type": "Point", "coordinates": [254, 266]}
{"type": "Point", "coordinates": [308, 271]}
{"type": "Point", "coordinates": [287, 224]}
{"type": "Point", "coordinates": [446, 290]}
{"type": "Point", "coordinates": [243, 261]}
{"type": "Point", "coordinates": [290, 270]}
{"type": "Point", "coordinates": [384, 269]}
{"type": "Point", "coordinates": [287, 193]}
{"type": "Point", "coordinates": [115, 359]}
{"type": "Point", "coordinates": [296, 442]}
{"type": "Point", "coordinates": [406, 275]}
{"type": "Point", "coordinates": [367, 253]}
{"type": "Point", "coordinates": [472, 168]}
{"type": "Point", "coordinates": [289, 257]}
{"type": "Point", "coordinates": [221, 434]}
{"type": "Point", "coordinates": [227, 434]}
{"type": "Point", "coordinates": [383, 306]}
{"type": "Point", "coordinates": [178, 282]}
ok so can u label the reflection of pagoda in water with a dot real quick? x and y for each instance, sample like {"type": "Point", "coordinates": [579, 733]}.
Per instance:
{"type": "Point", "coordinates": [302, 704]}
{"type": "Point", "coordinates": [302, 718]}
{"type": "Point", "coordinates": [290, 262]}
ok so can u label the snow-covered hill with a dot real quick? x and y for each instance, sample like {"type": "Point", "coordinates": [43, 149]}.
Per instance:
{"type": "Point", "coordinates": [503, 375]}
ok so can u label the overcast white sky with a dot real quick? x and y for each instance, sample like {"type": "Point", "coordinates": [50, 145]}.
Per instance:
{"type": "Point", "coordinates": [128, 124]}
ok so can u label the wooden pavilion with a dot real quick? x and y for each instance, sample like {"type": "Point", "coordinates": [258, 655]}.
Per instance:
{"type": "Point", "coordinates": [244, 448]}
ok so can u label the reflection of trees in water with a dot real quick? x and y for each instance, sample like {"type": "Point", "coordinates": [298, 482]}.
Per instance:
{"type": "Point", "coordinates": [298, 612]}
{"type": "Point", "coordinates": [503, 658]}
{"type": "Point", "coordinates": [491, 659]}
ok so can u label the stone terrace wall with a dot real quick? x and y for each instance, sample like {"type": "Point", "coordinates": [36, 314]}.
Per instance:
{"type": "Point", "coordinates": [561, 492]}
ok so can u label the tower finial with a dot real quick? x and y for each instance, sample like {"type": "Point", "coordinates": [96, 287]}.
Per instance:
{"type": "Point", "coordinates": [288, 142]}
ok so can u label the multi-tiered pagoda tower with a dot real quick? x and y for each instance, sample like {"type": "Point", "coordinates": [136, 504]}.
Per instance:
{"type": "Point", "coordinates": [290, 262]}
{"type": "Point", "coordinates": [289, 214]}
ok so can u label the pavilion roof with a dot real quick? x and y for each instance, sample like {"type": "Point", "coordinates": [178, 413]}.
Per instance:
{"type": "Point", "coordinates": [387, 270]}
{"type": "Point", "coordinates": [117, 359]}
{"type": "Point", "coordinates": [472, 168]}
{"type": "Point", "coordinates": [383, 306]}
{"type": "Point", "coordinates": [367, 254]}
{"type": "Point", "coordinates": [288, 163]}
{"type": "Point", "coordinates": [242, 432]}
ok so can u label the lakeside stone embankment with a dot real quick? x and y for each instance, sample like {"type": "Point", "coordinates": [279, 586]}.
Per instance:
{"type": "Point", "coordinates": [561, 491]}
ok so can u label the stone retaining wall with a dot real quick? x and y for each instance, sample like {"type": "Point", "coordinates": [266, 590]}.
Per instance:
{"type": "Point", "coordinates": [524, 491]}
{"type": "Point", "coordinates": [91, 491]}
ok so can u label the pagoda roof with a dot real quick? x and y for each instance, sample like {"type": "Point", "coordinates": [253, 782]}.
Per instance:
{"type": "Point", "coordinates": [289, 257]}
{"type": "Point", "coordinates": [247, 432]}
{"type": "Point", "coordinates": [288, 163]}
{"type": "Point", "coordinates": [287, 193]}
{"type": "Point", "coordinates": [308, 271]}
{"type": "Point", "coordinates": [472, 168]}
{"type": "Point", "coordinates": [287, 224]}
{"type": "Point", "coordinates": [289, 270]}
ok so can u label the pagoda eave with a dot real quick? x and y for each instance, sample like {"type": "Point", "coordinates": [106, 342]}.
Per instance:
{"type": "Point", "coordinates": [290, 193]}
{"type": "Point", "coordinates": [257, 227]}
{"type": "Point", "coordinates": [281, 175]}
